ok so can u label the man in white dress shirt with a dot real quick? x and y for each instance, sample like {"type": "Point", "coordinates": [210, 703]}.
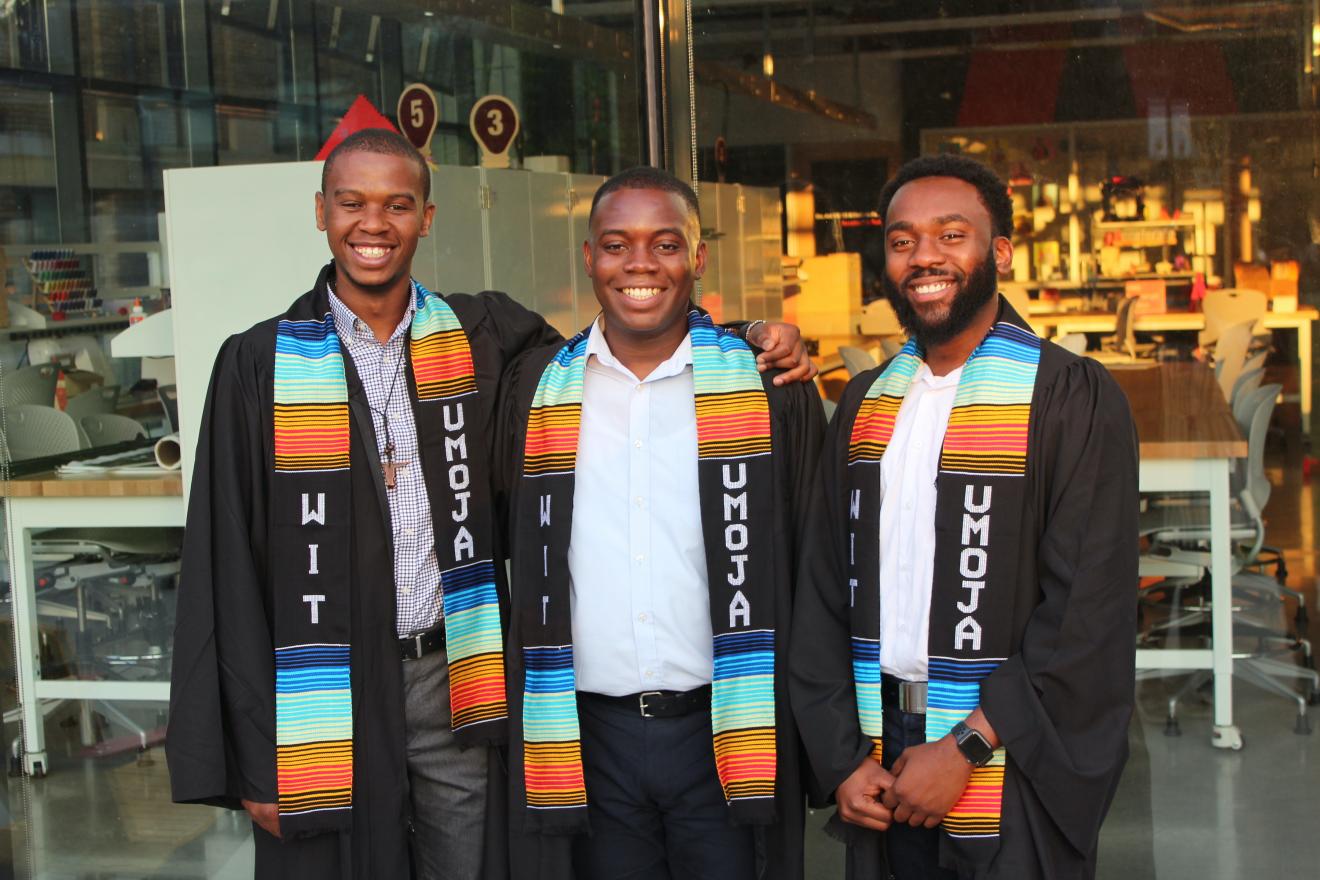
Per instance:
{"type": "Point", "coordinates": [647, 615]}
{"type": "Point", "coordinates": [963, 664]}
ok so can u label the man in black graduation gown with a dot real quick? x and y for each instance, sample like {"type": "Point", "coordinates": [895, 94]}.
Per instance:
{"type": "Point", "coordinates": [352, 722]}
{"type": "Point", "coordinates": [962, 666]}
{"type": "Point", "coordinates": [658, 490]}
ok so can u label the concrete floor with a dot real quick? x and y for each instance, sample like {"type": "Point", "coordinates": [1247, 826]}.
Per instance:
{"type": "Point", "coordinates": [1184, 809]}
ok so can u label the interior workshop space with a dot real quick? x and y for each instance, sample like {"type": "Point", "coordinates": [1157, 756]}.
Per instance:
{"type": "Point", "coordinates": [158, 160]}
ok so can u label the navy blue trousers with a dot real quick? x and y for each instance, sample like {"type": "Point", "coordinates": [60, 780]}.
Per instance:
{"type": "Point", "coordinates": [914, 853]}
{"type": "Point", "coordinates": [654, 800]}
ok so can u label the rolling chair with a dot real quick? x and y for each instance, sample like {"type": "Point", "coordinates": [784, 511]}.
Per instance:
{"type": "Point", "coordinates": [31, 385]}
{"type": "Point", "coordinates": [855, 360]}
{"type": "Point", "coordinates": [1173, 529]}
{"type": "Point", "coordinates": [95, 401]}
{"type": "Point", "coordinates": [36, 431]}
{"type": "Point", "coordinates": [108, 428]}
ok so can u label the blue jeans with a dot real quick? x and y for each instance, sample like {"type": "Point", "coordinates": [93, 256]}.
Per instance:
{"type": "Point", "coordinates": [914, 853]}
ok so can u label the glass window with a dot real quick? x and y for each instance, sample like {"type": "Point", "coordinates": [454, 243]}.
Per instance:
{"type": "Point", "coordinates": [28, 209]}
{"type": "Point", "coordinates": [136, 42]}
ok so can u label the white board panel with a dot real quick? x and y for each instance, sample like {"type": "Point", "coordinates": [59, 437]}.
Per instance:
{"type": "Point", "coordinates": [243, 245]}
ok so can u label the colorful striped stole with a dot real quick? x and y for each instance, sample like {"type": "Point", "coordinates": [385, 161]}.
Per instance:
{"type": "Point", "coordinates": [457, 485]}
{"type": "Point", "coordinates": [312, 509]}
{"type": "Point", "coordinates": [310, 494]}
{"type": "Point", "coordinates": [982, 465]}
{"type": "Point", "coordinates": [735, 476]}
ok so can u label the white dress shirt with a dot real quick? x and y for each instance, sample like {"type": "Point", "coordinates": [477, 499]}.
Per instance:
{"type": "Point", "coordinates": [907, 522]}
{"type": "Point", "coordinates": [637, 560]}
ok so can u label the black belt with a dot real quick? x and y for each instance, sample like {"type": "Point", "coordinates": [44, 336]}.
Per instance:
{"type": "Point", "coordinates": [906, 696]}
{"type": "Point", "coordinates": [659, 704]}
{"type": "Point", "coordinates": [418, 646]}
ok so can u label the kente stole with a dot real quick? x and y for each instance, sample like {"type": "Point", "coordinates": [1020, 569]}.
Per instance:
{"type": "Point", "coordinates": [312, 528]}
{"type": "Point", "coordinates": [980, 492]}
{"type": "Point", "coordinates": [736, 478]}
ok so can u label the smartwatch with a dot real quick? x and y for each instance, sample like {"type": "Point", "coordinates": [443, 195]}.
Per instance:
{"type": "Point", "coordinates": [974, 747]}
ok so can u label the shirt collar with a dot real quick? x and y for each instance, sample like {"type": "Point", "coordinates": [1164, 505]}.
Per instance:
{"type": "Point", "coordinates": [675, 364]}
{"type": "Point", "coordinates": [930, 380]}
{"type": "Point", "coordinates": [350, 326]}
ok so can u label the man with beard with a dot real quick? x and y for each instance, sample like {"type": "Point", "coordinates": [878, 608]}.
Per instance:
{"type": "Point", "coordinates": [962, 662]}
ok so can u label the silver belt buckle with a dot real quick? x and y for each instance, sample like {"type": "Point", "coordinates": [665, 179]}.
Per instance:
{"type": "Point", "coordinates": [641, 702]}
{"type": "Point", "coordinates": [912, 697]}
{"type": "Point", "coordinates": [417, 643]}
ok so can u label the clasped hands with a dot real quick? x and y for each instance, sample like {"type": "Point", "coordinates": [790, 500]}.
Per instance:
{"type": "Point", "coordinates": [925, 783]}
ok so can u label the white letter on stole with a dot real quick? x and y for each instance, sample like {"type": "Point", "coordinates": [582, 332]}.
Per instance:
{"type": "Point", "coordinates": [545, 510]}
{"type": "Point", "coordinates": [739, 573]}
{"type": "Point", "coordinates": [456, 448]}
{"type": "Point", "coordinates": [456, 423]}
{"type": "Point", "coordinates": [970, 504]}
{"type": "Point", "coordinates": [311, 562]}
{"type": "Point", "coordinates": [309, 515]}
{"type": "Point", "coordinates": [968, 628]}
{"type": "Point", "coordinates": [740, 607]}
{"type": "Point", "coordinates": [315, 601]}
{"type": "Point", "coordinates": [463, 544]}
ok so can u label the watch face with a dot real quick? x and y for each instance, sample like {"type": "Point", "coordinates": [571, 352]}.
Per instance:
{"type": "Point", "coordinates": [973, 745]}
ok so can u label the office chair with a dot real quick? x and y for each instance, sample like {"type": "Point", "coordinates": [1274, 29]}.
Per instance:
{"type": "Point", "coordinates": [1229, 306]}
{"type": "Point", "coordinates": [36, 431]}
{"type": "Point", "coordinates": [95, 401]}
{"type": "Point", "coordinates": [31, 385]}
{"type": "Point", "coordinates": [855, 360]}
{"type": "Point", "coordinates": [1173, 530]}
{"type": "Point", "coordinates": [108, 428]}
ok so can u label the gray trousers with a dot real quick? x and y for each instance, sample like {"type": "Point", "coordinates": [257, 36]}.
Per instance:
{"type": "Point", "coordinates": [448, 784]}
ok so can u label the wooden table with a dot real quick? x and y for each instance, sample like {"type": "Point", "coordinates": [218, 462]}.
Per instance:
{"type": "Point", "coordinates": [1058, 323]}
{"type": "Point", "coordinates": [45, 501]}
{"type": "Point", "coordinates": [1187, 439]}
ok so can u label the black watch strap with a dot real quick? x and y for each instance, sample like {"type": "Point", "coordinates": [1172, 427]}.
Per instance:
{"type": "Point", "coordinates": [973, 745]}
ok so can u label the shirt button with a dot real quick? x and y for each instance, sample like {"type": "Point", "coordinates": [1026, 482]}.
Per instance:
{"type": "Point", "coordinates": [907, 505]}
{"type": "Point", "coordinates": [637, 444]}
{"type": "Point", "coordinates": [639, 500]}
{"type": "Point", "coordinates": [407, 591]}
{"type": "Point", "coordinates": [643, 617]}
{"type": "Point", "coordinates": [409, 531]}
{"type": "Point", "coordinates": [649, 673]}
{"type": "Point", "coordinates": [639, 389]}
{"type": "Point", "coordinates": [640, 558]}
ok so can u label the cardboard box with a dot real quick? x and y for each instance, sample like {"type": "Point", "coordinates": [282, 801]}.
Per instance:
{"type": "Point", "coordinates": [1150, 294]}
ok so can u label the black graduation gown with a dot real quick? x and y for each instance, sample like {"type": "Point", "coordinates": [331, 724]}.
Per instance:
{"type": "Point", "coordinates": [222, 699]}
{"type": "Point", "coordinates": [1062, 700]}
{"type": "Point", "coordinates": [797, 422]}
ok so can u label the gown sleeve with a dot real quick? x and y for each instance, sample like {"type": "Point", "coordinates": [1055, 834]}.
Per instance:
{"type": "Point", "coordinates": [1062, 703]}
{"type": "Point", "coordinates": [517, 328]}
{"type": "Point", "coordinates": [820, 663]}
{"type": "Point", "coordinates": [221, 738]}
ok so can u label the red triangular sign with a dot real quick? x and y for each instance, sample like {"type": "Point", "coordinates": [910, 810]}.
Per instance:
{"type": "Point", "coordinates": [362, 114]}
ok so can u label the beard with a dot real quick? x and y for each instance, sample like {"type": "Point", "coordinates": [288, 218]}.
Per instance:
{"type": "Point", "coordinates": [974, 291]}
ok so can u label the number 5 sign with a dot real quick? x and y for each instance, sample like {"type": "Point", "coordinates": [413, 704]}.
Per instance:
{"type": "Point", "coordinates": [494, 123]}
{"type": "Point", "coordinates": [418, 113]}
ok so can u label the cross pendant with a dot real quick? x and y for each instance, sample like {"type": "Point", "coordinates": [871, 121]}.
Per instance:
{"type": "Point", "coordinates": [390, 466]}
{"type": "Point", "coordinates": [391, 469]}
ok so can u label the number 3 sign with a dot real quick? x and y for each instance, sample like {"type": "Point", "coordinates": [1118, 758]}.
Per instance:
{"type": "Point", "coordinates": [494, 123]}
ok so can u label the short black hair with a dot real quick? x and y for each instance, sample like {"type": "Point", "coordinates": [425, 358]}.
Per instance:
{"type": "Point", "coordinates": [992, 191]}
{"type": "Point", "coordinates": [385, 142]}
{"type": "Point", "coordinates": [646, 177]}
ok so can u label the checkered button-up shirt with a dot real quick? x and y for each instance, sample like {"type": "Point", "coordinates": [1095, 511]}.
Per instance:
{"type": "Point", "coordinates": [380, 365]}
